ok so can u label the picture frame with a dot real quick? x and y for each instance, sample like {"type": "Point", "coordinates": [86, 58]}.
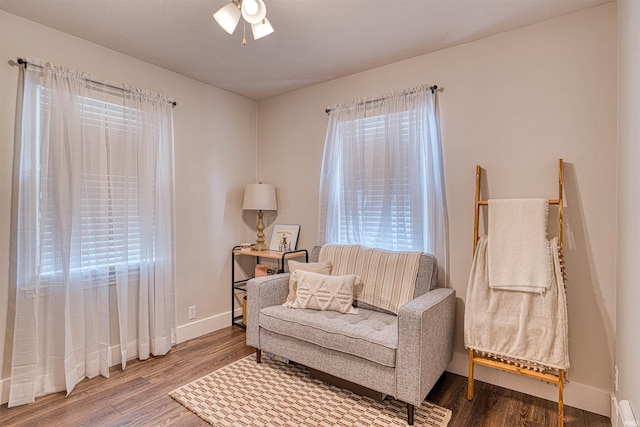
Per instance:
{"type": "Point", "coordinates": [284, 237]}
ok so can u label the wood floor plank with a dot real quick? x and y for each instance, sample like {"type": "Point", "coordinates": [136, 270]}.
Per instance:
{"type": "Point", "coordinates": [159, 411]}
{"type": "Point", "coordinates": [138, 395]}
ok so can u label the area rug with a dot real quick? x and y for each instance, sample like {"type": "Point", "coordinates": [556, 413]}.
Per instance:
{"type": "Point", "coordinates": [273, 393]}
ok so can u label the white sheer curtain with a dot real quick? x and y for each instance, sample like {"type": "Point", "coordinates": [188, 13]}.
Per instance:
{"type": "Point", "coordinates": [95, 242]}
{"type": "Point", "coordinates": [382, 180]}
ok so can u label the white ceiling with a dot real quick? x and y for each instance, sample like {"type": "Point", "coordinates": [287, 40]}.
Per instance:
{"type": "Point", "coordinates": [314, 40]}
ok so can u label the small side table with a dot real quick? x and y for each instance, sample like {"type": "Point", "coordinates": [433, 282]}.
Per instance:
{"type": "Point", "coordinates": [240, 286]}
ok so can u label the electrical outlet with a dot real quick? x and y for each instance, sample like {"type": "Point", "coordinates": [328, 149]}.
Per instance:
{"type": "Point", "coordinates": [192, 312]}
{"type": "Point", "coordinates": [615, 378]}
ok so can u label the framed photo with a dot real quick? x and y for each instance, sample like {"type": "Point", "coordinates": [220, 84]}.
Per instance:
{"type": "Point", "coordinates": [284, 237]}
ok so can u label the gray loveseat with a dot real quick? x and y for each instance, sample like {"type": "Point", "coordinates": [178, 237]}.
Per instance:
{"type": "Point", "coordinates": [397, 355]}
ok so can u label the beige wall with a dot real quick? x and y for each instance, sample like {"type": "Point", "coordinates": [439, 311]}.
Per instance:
{"type": "Point", "coordinates": [513, 103]}
{"type": "Point", "coordinates": [627, 335]}
{"type": "Point", "coordinates": [215, 152]}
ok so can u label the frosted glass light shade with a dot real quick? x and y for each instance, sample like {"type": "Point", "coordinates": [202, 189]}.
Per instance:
{"type": "Point", "coordinates": [262, 29]}
{"type": "Point", "coordinates": [260, 197]}
{"type": "Point", "coordinates": [251, 14]}
{"type": "Point", "coordinates": [228, 17]}
{"type": "Point", "coordinates": [250, 6]}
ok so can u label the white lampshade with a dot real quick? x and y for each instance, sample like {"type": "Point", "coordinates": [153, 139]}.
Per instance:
{"type": "Point", "coordinates": [260, 197]}
{"type": "Point", "coordinates": [228, 17]}
{"type": "Point", "coordinates": [261, 29]}
{"type": "Point", "coordinates": [253, 11]}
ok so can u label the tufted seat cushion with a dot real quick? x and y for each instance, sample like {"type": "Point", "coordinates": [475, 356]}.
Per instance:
{"type": "Point", "coordinates": [369, 334]}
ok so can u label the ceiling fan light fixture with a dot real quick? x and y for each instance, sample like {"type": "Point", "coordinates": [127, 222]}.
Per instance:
{"type": "Point", "coordinates": [228, 17]}
{"type": "Point", "coordinates": [253, 11]}
{"type": "Point", "coordinates": [262, 29]}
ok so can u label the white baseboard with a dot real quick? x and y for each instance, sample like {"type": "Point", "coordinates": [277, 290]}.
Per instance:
{"type": "Point", "coordinates": [197, 328]}
{"type": "Point", "coordinates": [4, 387]}
{"type": "Point", "coordinates": [577, 395]}
{"type": "Point", "coordinates": [184, 332]}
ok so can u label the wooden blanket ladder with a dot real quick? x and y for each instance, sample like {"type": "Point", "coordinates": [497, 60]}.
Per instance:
{"type": "Point", "coordinates": [553, 376]}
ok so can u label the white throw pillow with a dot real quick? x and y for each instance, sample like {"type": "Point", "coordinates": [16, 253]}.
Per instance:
{"type": "Point", "coordinates": [323, 292]}
{"type": "Point", "coordinates": [316, 267]}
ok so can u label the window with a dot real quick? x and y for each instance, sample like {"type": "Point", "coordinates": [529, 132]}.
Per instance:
{"type": "Point", "coordinates": [109, 212]}
{"type": "Point", "coordinates": [381, 183]}
{"type": "Point", "coordinates": [391, 222]}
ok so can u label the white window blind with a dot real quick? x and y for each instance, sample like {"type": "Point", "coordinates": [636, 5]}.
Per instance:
{"type": "Point", "coordinates": [109, 214]}
{"type": "Point", "coordinates": [380, 184]}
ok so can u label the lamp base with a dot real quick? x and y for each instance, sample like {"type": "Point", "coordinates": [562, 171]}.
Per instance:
{"type": "Point", "coordinates": [260, 245]}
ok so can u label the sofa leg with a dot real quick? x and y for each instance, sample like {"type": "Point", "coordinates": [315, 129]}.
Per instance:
{"type": "Point", "coordinates": [410, 409]}
{"type": "Point", "coordinates": [258, 355]}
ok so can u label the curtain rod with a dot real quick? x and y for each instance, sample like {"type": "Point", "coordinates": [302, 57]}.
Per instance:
{"type": "Point", "coordinates": [25, 62]}
{"type": "Point", "coordinates": [433, 89]}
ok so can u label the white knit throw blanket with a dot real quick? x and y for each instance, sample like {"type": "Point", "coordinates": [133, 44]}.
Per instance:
{"type": "Point", "coordinates": [519, 325]}
{"type": "Point", "coordinates": [518, 248]}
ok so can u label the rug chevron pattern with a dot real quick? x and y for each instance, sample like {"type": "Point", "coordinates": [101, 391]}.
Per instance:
{"type": "Point", "coordinates": [276, 394]}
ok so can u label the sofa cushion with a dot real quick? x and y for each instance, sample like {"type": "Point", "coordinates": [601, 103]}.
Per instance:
{"type": "Point", "coordinates": [368, 334]}
{"type": "Point", "coordinates": [324, 292]}
{"type": "Point", "coordinates": [316, 267]}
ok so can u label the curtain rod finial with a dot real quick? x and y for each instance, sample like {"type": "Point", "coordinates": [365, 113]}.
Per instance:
{"type": "Point", "coordinates": [18, 61]}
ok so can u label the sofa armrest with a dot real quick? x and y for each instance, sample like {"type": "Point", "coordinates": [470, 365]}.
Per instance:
{"type": "Point", "coordinates": [425, 343]}
{"type": "Point", "coordinates": [263, 292]}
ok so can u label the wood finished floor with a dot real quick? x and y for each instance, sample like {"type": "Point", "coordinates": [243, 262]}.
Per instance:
{"type": "Point", "coordinates": [138, 396]}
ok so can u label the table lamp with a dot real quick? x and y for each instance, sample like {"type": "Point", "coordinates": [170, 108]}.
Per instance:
{"type": "Point", "coordinates": [260, 197]}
